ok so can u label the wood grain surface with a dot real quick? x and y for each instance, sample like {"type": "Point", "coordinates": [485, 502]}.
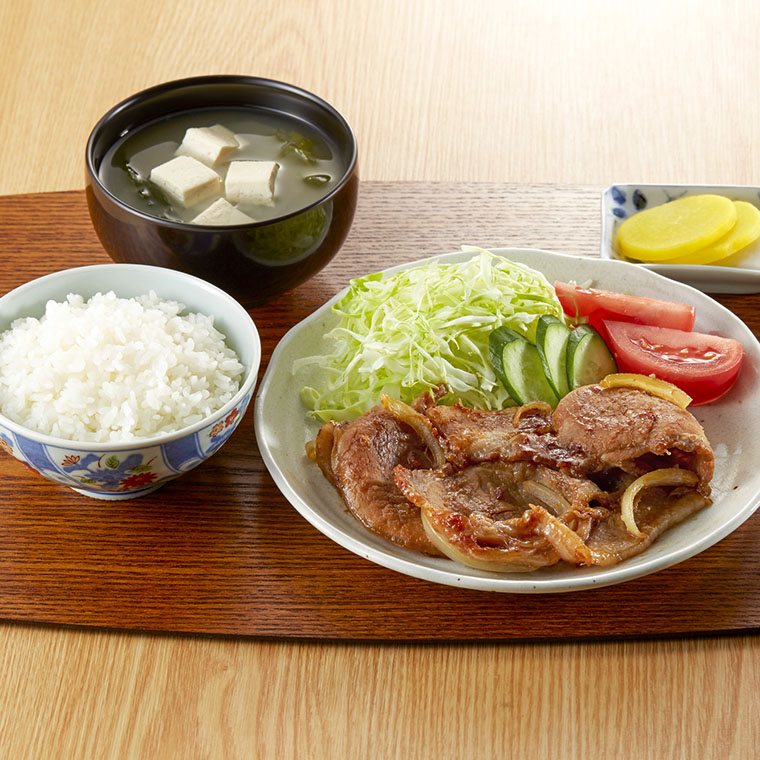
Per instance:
{"type": "Point", "coordinates": [451, 90]}
{"type": "Point", "coordinates": [220, 551]}
{"type": "Point", "coordinates": [521, 91]}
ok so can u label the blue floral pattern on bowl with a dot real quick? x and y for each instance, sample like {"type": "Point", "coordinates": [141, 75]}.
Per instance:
{"type": "Point", "coordinates": [109, 470]}
{"type": "Point", "coordinates": [126, 473]}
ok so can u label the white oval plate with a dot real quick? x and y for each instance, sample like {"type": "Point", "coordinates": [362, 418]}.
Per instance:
{"type": "Point", "coordinates": [732, 425]}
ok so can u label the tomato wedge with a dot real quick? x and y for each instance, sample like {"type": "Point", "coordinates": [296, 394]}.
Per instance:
{"type": "Point", "coordinates": [600, 305]}
{"type": "Point", "coordinates": [704, 366]}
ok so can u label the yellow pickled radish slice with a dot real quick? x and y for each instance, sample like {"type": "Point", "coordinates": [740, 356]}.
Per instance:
{"type": "Point", "coordinates": [745, 231]}
{"type": "Point", "coordinates": [676, 228]}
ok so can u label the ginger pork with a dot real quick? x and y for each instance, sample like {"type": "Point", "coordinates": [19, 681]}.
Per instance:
{"type": "Point", "coordinates": [593, 482]}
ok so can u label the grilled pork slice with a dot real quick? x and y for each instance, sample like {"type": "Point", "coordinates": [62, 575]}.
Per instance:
{"type": "Point", "coordinates": [475, 435]}
{"type": "Point", "coordinates": [484, 517]}
{"type": "Point", "coordinates": [362, 456]}
{"type": "Point", "coordinates": [519, 517]}
{"type": "Point", "coordinates": [593, 431]}
{"type": "Point", "coordinates": [632, 431]}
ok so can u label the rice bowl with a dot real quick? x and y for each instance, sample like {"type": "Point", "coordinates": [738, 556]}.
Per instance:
{"type": "Point", "coordinates": [124, 426]}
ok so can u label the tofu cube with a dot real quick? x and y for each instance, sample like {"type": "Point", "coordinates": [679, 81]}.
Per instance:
{"type": "Point", "coordinates": [186, 181]}
{"type": "Point", "coordinates": [143, 161]}
{"type": "Point", "coordinates": [222, 212]}
{"type": "Point", "coordinates": [251, 182]}
{"type": "Point", "coordinates": [210, 145]}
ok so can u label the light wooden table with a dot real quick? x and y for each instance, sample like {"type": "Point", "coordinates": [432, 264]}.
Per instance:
{"type": "Point", "coordinates": [530, 91]}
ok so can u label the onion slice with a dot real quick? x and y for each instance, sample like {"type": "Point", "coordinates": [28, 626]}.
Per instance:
{"type": "Point", "coordinates": [554, 501]}
{"type": "Point", "coordinates": [531, 406]}
{"type": "Point", "coordinates": [419, 423]}
{"type": "Point", "coordinates": [566, 542]}
{"type": "Point", "coordinates": [669, 476]}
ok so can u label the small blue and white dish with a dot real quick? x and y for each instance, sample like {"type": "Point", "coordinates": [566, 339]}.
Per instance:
{"type": "Point", "coordinates": [620, 201]}
{"type": "Point", "coordinates": [125, 470]}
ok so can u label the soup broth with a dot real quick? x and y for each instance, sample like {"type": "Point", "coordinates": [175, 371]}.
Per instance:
{"type": "Point", "coordinates": [308, 165]}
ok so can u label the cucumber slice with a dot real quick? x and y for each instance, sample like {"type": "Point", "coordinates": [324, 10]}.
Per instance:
{"type": "Point", "coordinates": [496, 342]}
{"type": "Point", "coordinates": [588, 358]}
{"type": "Point", "coordinates": [518, 365]}
{"type": "Point", "coordinates": [552, 337]}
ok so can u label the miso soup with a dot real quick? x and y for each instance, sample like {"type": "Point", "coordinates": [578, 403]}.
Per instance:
{"type": "Point", "coordinates": [307, 164]}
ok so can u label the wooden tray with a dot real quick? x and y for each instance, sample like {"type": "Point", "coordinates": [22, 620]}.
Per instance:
{"type": "Point", "coordinates": [220, 551]}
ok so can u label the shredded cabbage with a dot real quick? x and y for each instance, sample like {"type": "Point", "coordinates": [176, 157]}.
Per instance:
{"type": "Point", "coordinates": [405, 333]}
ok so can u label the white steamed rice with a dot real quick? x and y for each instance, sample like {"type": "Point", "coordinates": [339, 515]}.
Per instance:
{"type": "Point", "coordinates": [114, 369]}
